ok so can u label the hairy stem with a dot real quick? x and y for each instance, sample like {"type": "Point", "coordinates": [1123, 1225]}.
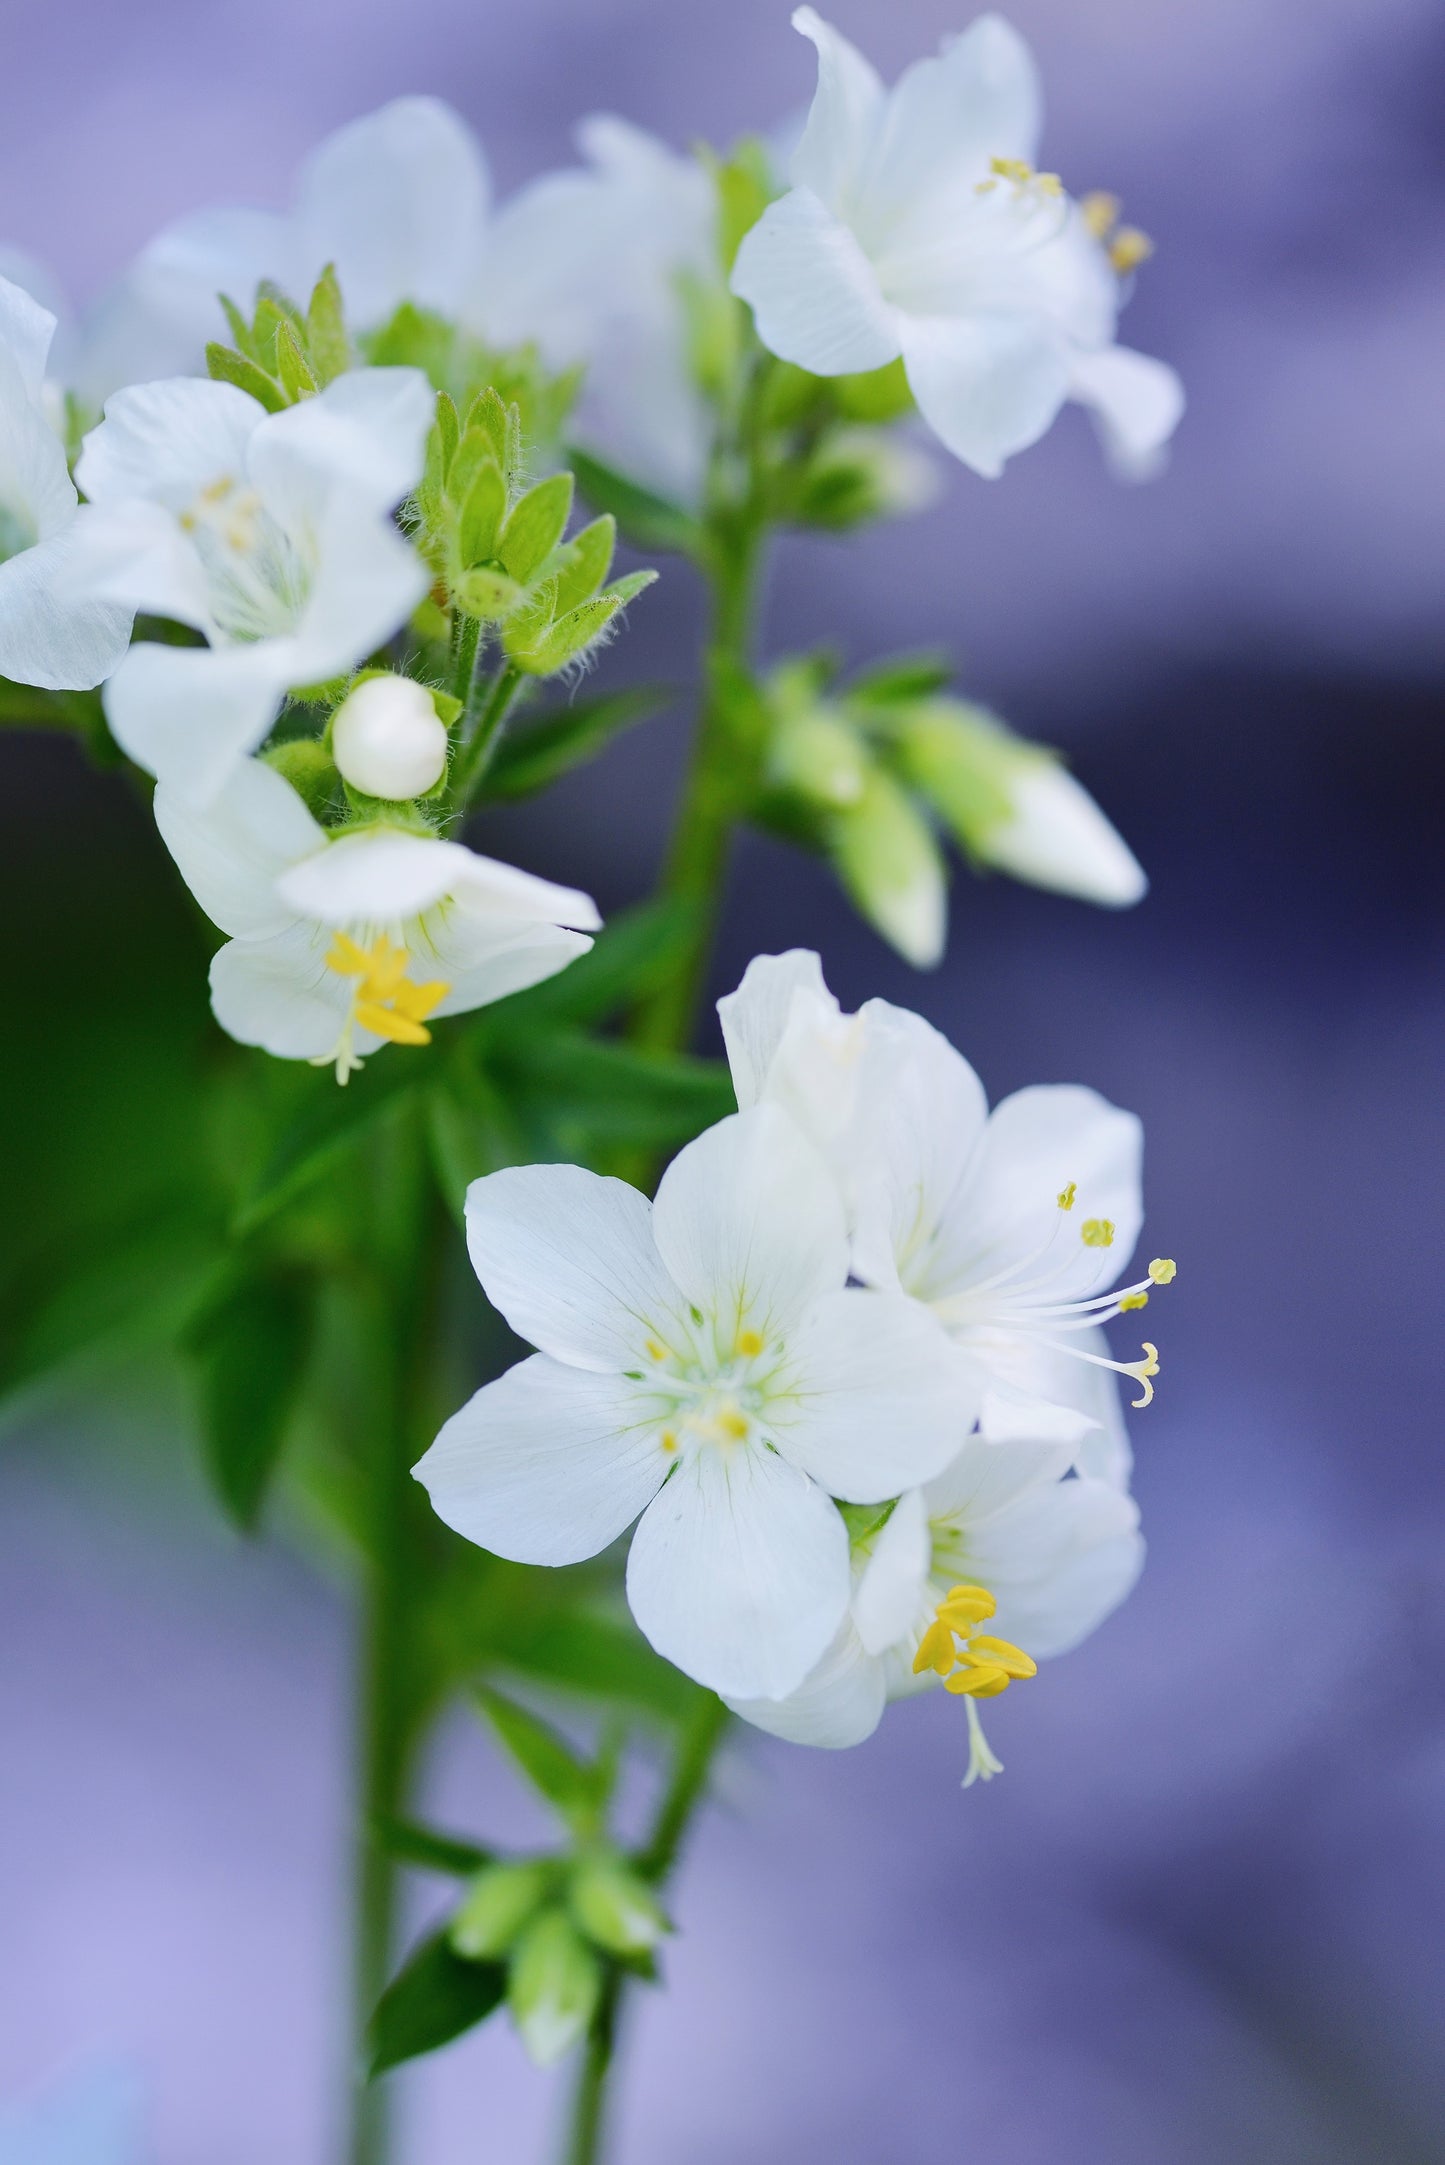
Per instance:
{"type": "Point", "coordinates": [486, 732]}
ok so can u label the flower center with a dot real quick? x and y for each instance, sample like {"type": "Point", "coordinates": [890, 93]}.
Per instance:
{"type": "Point", "coordinates": [711, 1395]}
{"type": "Point", "coordinates": [1027, 185]}
{"type": "Point", "coordinates": [385, 1001]}
{"type": "Point", "coordinates": [257, 582]}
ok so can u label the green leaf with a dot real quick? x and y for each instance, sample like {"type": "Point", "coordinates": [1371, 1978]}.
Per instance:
{"type": "Point", "coordinates": [472, 1130]}
{"type": "Point", "coordinates": [434, 1998]}
{"type": "Point", "coordinates": [648, 521]}
{"type": "Point", "coordinates": [326, 339]}
{"type": "Point", "coordinates": [480, 519]}
{"type": "Point", "coordinates": [547, 1759]}
{"type": "Point", "coordinates": [542, 652]}
{"type": "Point", "coordinates": [330, 1124]}
{"type": "Point", "coordinates": [298, 379]}
{"type": "Point", "coordinates": [251, 1350]}
{"type": "Point", "coordinates": [588, 561]}
{"type": "Point", "coordinates": [903, 677]}
{"type": "Point", "coordinates": [598, 1657]}
{"type": "Point", "coordinates": [745, 188]}
{"type": "Point", "coordinates": [225, 365]}
{"type": "Point", "coordinates": [430, 1851]}
{"type": "Point", "coordinates": [534, 526]}
{"type": "Point", "coordinates": [537, 756]}
{"type": "Point", "coordinates": [614, 1092]}
{"type": "Point", "coordinates": [139, 1285]}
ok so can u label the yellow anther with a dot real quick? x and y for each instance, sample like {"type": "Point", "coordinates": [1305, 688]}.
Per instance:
{"type": "Point", "coordinates": [1004, 1653]}
{"type": "Point", "coordinates": [1048, 184]}
{"type": "Point", "coordinates": [1141, 1371]}
{"type": "Point", "coordinates": [1097, 1232]}
{"type": "Point", "coordinates": [963, 1608]}
{"type": "Point", "coordinates": [386, 1001]}
{"type": "Point", "coordinates": [1014, 169]}
{"type": "Point", "coordinates": [1133, 1300]}
{"type": "Point", "coordinates": [935, 1650]}
{"type": "Point", "coordinates": [1069, 1195]}
{"type": "Point", "coordinates": [655, 1352]}
{"type": "Point", "coordinates": [216, 492]}
{"type": "Point", "coordinates": [669, 1440]}
{"type": "Point", "coordinates": [733, 1424]}
{"type": "Point", "coordinates": [1128, 249]}
{"type": "Point", "coordinates": [749, 1343]}
{"type": "Point", "coordinates": [981, 1681]}
{"type": "Point", "coordinates": [1100, 212]}
{"type": "Point", "coordinates": [1162, 1270]}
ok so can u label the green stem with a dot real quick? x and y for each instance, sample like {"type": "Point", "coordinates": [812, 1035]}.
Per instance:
{"type": "Point", "coordinates": [586, 2121]}
{"type": "Point", "coordinates": [467, 639]}
{"type": "Point", "coordinates": [475, 756]}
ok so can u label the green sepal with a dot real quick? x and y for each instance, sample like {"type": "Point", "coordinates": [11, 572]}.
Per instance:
{"type": "Point", "coordinates": [863, 1520]}
{"type": "Point", "coordinates": [571, 1784]}
{"type": "Point", "coordinates": [306, 764]}
{"type": "Point", "coordinates": [482, 512]}
{"type": "Point", "coordinates": [436, 1996]}
{"type": "Point", "coordinates": [327, 343]}
{"type": "Point", "coordinates": [538, 756]}
{"type": "Point", "coordinates": [587, 559]}
{"type": "Point", "coordinates": [541, 650]}
{"type": "Point", "coordinates": [534, 526]}
{"type": "Point", "coordinates": [225, 365]}
{"type": "Point", "coordinates": [501, 1900]}
{"type": "Point", "coordinates": [487, 594]}
{"type": "Point", "coordinates": [251, 1350]}
{"type": "Point", "coordinates": [647, 520]}
{"type": "Point", "coordinates": [902, 678]}
{"type": "Point", "coordinates": [298, 379]}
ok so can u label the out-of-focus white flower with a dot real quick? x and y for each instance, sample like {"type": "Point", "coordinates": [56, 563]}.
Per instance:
{"type": "Point", "coordinates": [269, 533]}
{"type": "Point", "coordinates": [388, 740]}
{"type": "Point", "coordinates": [47, 637]}
{"type": "Point", "coordinates": [1015, 1556]}
{"type": "Point", "coordinates": [919, 227]}
{"type": "Point", "coordinates": [1009, 1225]}
{"type": "Point", "coordinates": [339, 945]}
{"type": "Point", "coordinates": [704, 1363]}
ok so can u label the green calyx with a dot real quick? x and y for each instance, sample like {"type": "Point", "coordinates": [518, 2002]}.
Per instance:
{"type": "Point", "coordinates": [279, 354]}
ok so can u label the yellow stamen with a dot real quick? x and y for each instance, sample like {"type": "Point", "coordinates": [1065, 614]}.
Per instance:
{"type": "Point", "coordinates": [1128, 249]}
{"type": "Point", "coordinates": [655, 1352]}
{"type": "Point", "coordinates": [1132, 1300]}
{"type": "Point", "coordinates": [733, 1424]}
{"type": "Point", "coordinates": [749, 1343]}
{"type": "Point", "coordinates": [1009, 1657]}
{"type": "Point", "coordinates": [1162, 1270]}
{"type": "Point", "coordinates": [1097, 1232]}
{"type": "Point", "coordinates": [935, 1650]}
{"type": "Point", "coordinates": [1014, 169]}
{"type": "Point", "coordinates": [963, 1608]}
{"type": "Point", "coordinates": [1068, 1195]}
{"type": "Point", "coordinates": [985, 1680]}
{"type": "Point", "coordinates": [1100, 212]}
{"type": "Point", "coordinates": [669, 1440]}
{"type": "Point", "coordinates": [972, 1664]}
{"type": "Point", "coordinates": [386, 1001]}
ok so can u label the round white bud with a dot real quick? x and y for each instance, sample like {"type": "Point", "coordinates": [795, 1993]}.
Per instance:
{"type": "Point", "coordinates": [388, 740]}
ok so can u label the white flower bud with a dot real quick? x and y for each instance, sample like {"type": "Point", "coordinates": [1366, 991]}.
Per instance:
{"type": "Point", "coordinates": [388, 740]}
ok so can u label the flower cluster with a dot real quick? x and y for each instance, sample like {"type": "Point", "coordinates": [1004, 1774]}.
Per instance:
{"type": "Point", "coordinates": [847, 1373]}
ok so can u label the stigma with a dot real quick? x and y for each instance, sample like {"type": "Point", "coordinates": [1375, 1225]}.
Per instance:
{"type": "Point", "coordinates": [385, 1001]}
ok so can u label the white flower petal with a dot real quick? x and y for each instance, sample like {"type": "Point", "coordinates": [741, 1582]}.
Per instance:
{"type": "Point", "coordinates": [920, 1114]}
{"type": "Point", "coordinates": [568, 1257]}
{"type": "Point", "coordinates": [738, 1572]}
{"type": "Point", "coordinates": [749, 1223]}
{"type": "Point", "coordinates": [891, 1588]}
{"type": "Point", "coordinates": [986, 1478]}
{"type": "Point", "coordinates": [366, 582]}
{"type": "Point", "coordinates": [50, 635]}
{"type": "Point", "coordinates": [26, 331]}
{"type": "Point", "coordinates": [813, 291]}
{"type": "Point", "coordinates": [1058, 1561]}
{"type": "Point", "coordinates": [365, 433]}
{"type": "Point", "coordinates": [487, 884]}
{"type": "Point", "coordinates": [1056, 837]}
{"type": "Point", "coordinates": [398, 202]}
{"type": "Point", "coordinates": [484, 958]}
{"type": "Point", "coordinates": [374, 877]}
{"type": "Point", "coordinates": [843, 122]}
{"type": "Point", "coordinates": [988, 385]}
{"type": "Point", "coordinates": [884, 1398]}
{"type": "Point", "coordinates": [134, 555]}
{"type": "Point", "coordinates": [1039, 1392]}
{"type": "Point", "coordinates": [278, 994]}
{"type": "Point", "coordinates": [230, 854]}
{"type": "Point", "coordinates": [1035, 1144]}
{"type": "Point", "coordinates": [840, 1703]}
{"type": "Point", "coordinates": [1136, 401]}
{"type": "Point", "coordinates": [545, 1466]}
{"type": "Point", "coordinates": [166, 442]}
{"type": "Point", "coordinates": [946, 118]}
{"type": "Point", "coordinates": [755, 1016]}
{"type": "Point", "coordinates": [189, 714]}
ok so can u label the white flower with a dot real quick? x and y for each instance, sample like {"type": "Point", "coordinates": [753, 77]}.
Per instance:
{"type": "Point", "coordinates": [269, 533]}
{"type": "Point", "coordinates": [340, 944]}
{"type": "Point", "coordinates": [1008, 1225]}
{"type": "Point", "coordinates": [704, 1363]}
{"type": "Point", "coordinates": [919, 227]}
{"type": "Point", "coordinates": [1033, 1562]}
{"type": "Point", "coordinates": [46, 637]}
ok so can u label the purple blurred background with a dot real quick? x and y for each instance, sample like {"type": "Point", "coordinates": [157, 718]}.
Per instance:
{"type": "Point", "coordinates": [1201, 1917]}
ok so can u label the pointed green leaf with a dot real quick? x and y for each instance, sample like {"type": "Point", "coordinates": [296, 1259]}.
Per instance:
{"type": "Point", "coordinates": [588, 559]}
{"type": "Point", "coordinates": [543, 651]}
{"type": "Point", "coordinates": [598, 1657]}
{"type": "Point", "coordinates": [545, 1757]}
{"type": "Point", "coordinates": [430, 1851]}
{"type": "Point", "coordinates": [298, 379]}
{"type": "Point", "coordinates": [629, 586]}
{"type": "Point", "coordinates": [649, 521]}
{"type": "Point", "coordinates": [437, 1996]}
{"type": "Point", "coordinates": [614, 1092]}
{"type": "Point", "coordinates": [331, 1122]}
{"type": "Point", "coordinates": [536, 757]}
{"type": "Point", "coordinates": [901, 678]}
{"type": "Point", "coordinates": [534, 526]}
{"type": "Point", "coordinates": [225, 365]}
{"type": "Point", "coordinates": [489, 413]}
{"type": "Point", "coordinates": [479, 522]}
{"type": "Point", "coordinates": [326, 339]}
{"type": "Point", "coordinates": [240, 326]}
{"type": "Point", "coordinates": [251, 1350]}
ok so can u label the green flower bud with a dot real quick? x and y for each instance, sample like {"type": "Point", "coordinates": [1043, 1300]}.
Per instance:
{"type": "Point", "coordinates": [616, 1908]}
{"type": "Point", "coordinates": [554, 1986]}
{"type": "Point", "coordinates": [308, 767]}
{"type": "Point", "coordinates": [498, 1903]}
{"type": "Point", "coordinates": [890, 864]}
{"type": "Point", "coordinates": [858, 474]}
{"type": "Point", "coordinates": [817, 754]}
{"type": "Point", "coordinates": [965, 763]}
